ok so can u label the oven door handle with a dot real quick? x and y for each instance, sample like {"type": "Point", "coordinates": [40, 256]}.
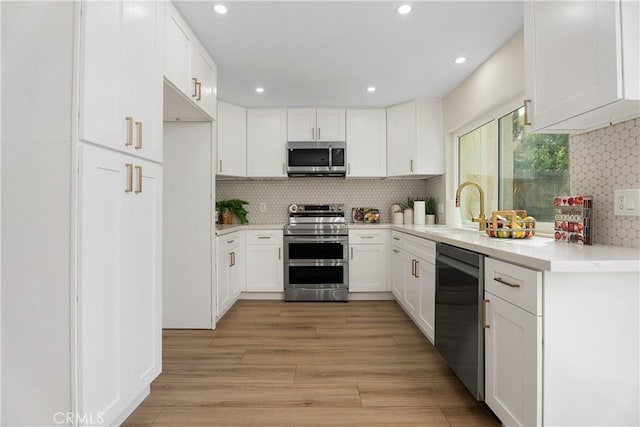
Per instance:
{"type": "Point", "coordinates": [316, 239]}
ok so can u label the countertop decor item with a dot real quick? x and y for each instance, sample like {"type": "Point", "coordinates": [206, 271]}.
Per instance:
{"type": "Point", "coordinates": [510, 224]}
{"type": "Point", "coordinates": [573, 219]}
{"type": "Point", "coordinates": [228, 208]}
{"type": "Point", "coordinates": [431, 207]}
{"type": "Point", "coordinates": [365, 215]}
{"type": "Point", "coordinates": [418, 212]}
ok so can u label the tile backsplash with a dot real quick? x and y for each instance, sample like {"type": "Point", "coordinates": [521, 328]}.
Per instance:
{"type": "Point", "coordinates": [279, 194]}
{"type": "Point", "coordinates": [600, 162]}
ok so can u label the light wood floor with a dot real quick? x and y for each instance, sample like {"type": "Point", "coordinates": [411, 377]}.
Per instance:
{"type": "Point", "coordinates": [326, 364]}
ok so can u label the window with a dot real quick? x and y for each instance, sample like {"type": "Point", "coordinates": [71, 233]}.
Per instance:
{"type": "Point", "coordinates": [515, 169]}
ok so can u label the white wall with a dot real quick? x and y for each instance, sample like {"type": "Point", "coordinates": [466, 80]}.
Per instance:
{"type": "Point", "coordinates": [36, 210]}
{"type": "Point", "coordinates": [499, 80]}
{"type": "Point", "coordinates": [187, 232]}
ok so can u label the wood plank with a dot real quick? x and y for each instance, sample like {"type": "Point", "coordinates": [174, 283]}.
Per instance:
{"type": "Point", "coordinates": [271, 363]}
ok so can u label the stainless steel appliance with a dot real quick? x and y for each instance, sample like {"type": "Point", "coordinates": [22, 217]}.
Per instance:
{"type": "Point", "coordinates": [316, 260]}
{"type": "Point", "coordinates": [459, 336]}
{"type": "Point", "coordinates": [316, 159]}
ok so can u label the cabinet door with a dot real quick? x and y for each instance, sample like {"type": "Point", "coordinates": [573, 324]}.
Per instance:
{"type": "Point", "coordinates": [366, 143]}
{"type": "Point", "coordinates": [177, 51]}
{"type": "Point", "coordinates": [236, 273]}
{"type": "Point", "coordinates": [397, 274]}
{"type": "Point", "coordinates": [330, 124]}
{"type": "Point", "coordinates": [513, 363]}
{"type": "Point", "coordinates": [266, 142]}
{"type": "Point", "coordinates": [367, 268]}
{"type": "Point", "coordinates": [401, 139]}
{"type": "Point", "coordinates": [301, 124]}
{"type": "Point", "coordinates": [102, 266]}
{"type": "Point", "coordinates": [571, 69]}
{"type": "Point", "coordinates": [427, 312]}
{"type": "Point", "coordinates": [141, 296]}
{"type": "Point", "coordinates": [264, 268]}
{"type": "Point", "coordinates": [100, 120]}
{"type": "Point", "coordinates": [204, 70]}
{"type": "Point", "coordinates": [411, 295]}
{"type": "Point", "coordinates": [141, 90]}
{"type": "Point", "coordinates": [223, 296]}
{"type": "Point", "coordinates": [232, 140]}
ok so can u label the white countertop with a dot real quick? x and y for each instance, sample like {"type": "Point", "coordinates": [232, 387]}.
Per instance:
{"type": "Point", "coordinates": [538, 253]}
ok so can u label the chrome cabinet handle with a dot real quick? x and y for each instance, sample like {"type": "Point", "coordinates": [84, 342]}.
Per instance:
{"type": "Point", "coordinates": [220, 166]}
{"type": "Point", "coordinates": [195, 87]}
{"type": "Point", "coordinates": [279, 253]}
{"type": "Point", "coordinates": [366, 237]}
{"type": "Point", "coordinates": [139, 135]}
{"type": "Point", "coordinates": [417, 269]}
{"type": "Point", "coordinates": [264, 237]}
{"type": "Point", "coordinates": [129, 187]}
{"type": "Point", "coordinates": [351, 252]}
{"type": "Point", "coordinates": [504, 282]}
{"type": "Point", "coordinates": [485, 325]}
{"type": "Point", "coordinates": [527, 104]}
{"type": "Point", "coordinates": [318, 134]}
{"type": "Point", "coordinates": [411, 165]}
{"type": "Point", "coordinates": [230, 259]}
{"type": "Point", "coordinates": [139, 177]}
{"type": "Point", "coordinates": [199, 91]}
{"type": "Point", "coordinates": [413, 267]}
{"type": "Point", "coordinates": [129, 140]}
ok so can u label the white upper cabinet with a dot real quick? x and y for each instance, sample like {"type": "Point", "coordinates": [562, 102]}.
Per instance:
{"type": "Point", "coordinates": [120, 77]}
{"type": "Point", "coordinates": [310, 124]}
{"type": "Point", "coordinates": [188, 67]}
{"type": "Point", "coordinates": [266, 142]}
{"type": "Point", "coordinates": [366, 143]}
{"type": "Point", "coordinates": [232, 140]}
{"type": "Point", "coordinates": [581, 64]}
{"type": "Point", "coordinates": [415, 143]}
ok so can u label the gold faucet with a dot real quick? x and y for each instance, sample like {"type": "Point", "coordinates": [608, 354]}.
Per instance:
{"type": "Point", "coordinates": [481, 219]}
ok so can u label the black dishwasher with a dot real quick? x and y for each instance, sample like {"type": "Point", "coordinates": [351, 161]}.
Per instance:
{"type": "Point", "coordinates": [459, 336]}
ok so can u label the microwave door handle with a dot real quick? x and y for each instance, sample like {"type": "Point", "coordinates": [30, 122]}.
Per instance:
{"type": "Point", "coordinates": [330, 156]}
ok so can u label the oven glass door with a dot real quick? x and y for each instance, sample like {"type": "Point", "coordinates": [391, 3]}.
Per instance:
{"type": "Point", "coordinates": [319, 276]}
{"type": "Point", "coordinates": [315, 248]}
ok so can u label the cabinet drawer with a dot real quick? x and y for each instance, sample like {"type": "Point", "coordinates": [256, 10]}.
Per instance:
{"type": "Point", "coordinates": [423, 248]}
{"type": "Point", "coordinates": [517, 285]}
{"type": "Point", "coordinates": [397, 239]}
{"type": "Point", "coordinates": [264, 237]}
{"type": "Point", "coordinates": [228, 241]}
{"type": "Point", "coordinates": [367, 237]}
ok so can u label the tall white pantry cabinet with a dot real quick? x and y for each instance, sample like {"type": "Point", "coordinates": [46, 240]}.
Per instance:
{"type": "Point", "coordinates": [81, 209]}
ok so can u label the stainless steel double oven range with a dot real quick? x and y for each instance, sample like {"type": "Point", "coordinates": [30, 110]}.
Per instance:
{"type": "Point", "coordinates": [316, 259]}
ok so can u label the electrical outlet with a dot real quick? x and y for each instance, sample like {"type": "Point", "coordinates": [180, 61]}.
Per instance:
{"type": "Point", "coordinates": [440, 208]}
{"type": "Point", "coordinates": [263, 207]}
{"type": "Point", "coordinates": [626, 202]}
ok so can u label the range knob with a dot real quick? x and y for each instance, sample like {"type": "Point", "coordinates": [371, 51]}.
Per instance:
{"type": "Point", "coordinates": [293, 208]}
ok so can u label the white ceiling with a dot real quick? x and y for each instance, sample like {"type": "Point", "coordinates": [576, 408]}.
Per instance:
{"type": "Point", "coordinates": [326, 53]}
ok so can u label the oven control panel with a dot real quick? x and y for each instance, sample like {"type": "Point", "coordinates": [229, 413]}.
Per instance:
{"type": "Point", "coordinates": [335, 207]}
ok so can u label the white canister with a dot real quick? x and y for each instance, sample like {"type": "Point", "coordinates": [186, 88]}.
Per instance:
{"type": "Point", "coordinates": [454, 216]}
{"type": "Point", "coordinates": [418, 212]}
{"type": "Point", "coordinates": [408, 216]}
{"type": "Point", "coordinates": [398, 218]}
{"type": "Point", "coordinates": [431, 219]}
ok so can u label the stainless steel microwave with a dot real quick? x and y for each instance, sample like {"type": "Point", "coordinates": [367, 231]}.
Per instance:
{"type": "Point", "coordinates": [316, 159]}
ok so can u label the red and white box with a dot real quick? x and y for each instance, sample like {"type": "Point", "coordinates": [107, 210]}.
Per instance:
{"type": "Point", "coordinates": [573, 219]}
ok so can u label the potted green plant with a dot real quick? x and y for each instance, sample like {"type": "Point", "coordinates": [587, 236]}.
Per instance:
{"type": "Point", "coordinates": [430, 208]}
{"type": "Point", "coordinates": [228, 208]}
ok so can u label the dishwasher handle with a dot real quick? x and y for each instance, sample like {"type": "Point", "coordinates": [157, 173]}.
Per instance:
{"type": "Point", "coordinates": [458, 265]}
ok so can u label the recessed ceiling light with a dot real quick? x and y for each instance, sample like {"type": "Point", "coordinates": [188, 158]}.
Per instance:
{"type": "Point", "coordinates": [404, 9]}
{"type": "Point", "coordinates": [460, 60]}
{"type": "Point", "coordinates": [259, 89]}
{"type": "Point", "coordinates": [371, 89]}
{"type": "Point", "coordinates": [221, 9]}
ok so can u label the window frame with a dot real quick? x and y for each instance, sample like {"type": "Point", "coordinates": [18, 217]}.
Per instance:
{"type": "Point", "coordinates": [493, 116]}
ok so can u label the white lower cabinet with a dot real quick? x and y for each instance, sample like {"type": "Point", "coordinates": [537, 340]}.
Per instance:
{"type": "Point", "coordinates": [513, 343]}
{"type": "Point", "coordinates": [413, 279]}
{"type": "Point", "coordinates": [119, 280]}
{"type": "Point", "coordinates": [230, 276]}
{"type": "Point", "coordinates": [368, 260]}
{"type": "Point", "coordinates": [265, 268]}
